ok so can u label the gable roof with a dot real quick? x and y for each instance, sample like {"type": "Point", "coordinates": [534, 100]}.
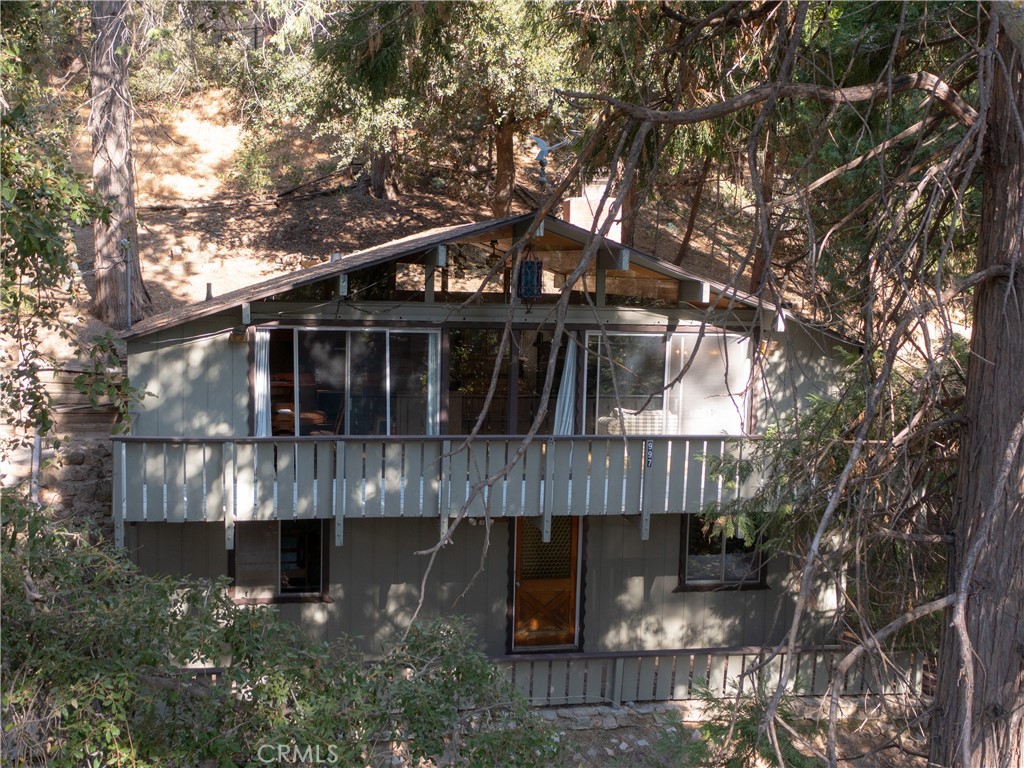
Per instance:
{"type": "Point", "coordinates": [554, 229]}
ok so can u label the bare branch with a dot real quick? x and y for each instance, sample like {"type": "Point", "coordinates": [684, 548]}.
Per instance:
{"type": "Point", "coordinates": [918, 81]}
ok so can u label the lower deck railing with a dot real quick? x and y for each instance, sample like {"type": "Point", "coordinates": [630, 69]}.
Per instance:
{"type": "Point", "coordinates": [271, 478]}
{"type": "Point", "coordinates": [678, 675]}
{"type": "Point", "coordinates": [614, 678]}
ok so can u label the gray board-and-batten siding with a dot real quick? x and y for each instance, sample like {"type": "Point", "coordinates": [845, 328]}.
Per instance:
{"type": "Point", "coordinates": [629, 598]}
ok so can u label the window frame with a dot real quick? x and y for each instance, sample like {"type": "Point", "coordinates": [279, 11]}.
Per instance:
{"type": "Point", "coordinates": [281, 598]}
{"type": "Point", "coordinates": [760, 582]}
{"type": "Point", "coordinates": [433, 397]}
{"type": "Point", "coordinates": [677, 349]}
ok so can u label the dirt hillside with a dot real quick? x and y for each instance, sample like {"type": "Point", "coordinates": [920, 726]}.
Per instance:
{"type": "Point", "coordinates": [195, 228]}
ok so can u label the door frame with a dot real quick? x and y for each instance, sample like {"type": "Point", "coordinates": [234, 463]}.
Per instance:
{"type": "Point", "coordinates": [578, 569]}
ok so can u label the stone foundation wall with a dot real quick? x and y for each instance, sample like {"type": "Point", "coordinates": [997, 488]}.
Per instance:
{"type": "Point", "coordinates": [77, 480]}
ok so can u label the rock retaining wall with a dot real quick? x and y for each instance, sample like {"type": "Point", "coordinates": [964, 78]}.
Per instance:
{"type": "Point", "coordinates": [77, 480]}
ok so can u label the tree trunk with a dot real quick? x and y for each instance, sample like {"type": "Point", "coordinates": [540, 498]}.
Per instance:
{"type": "Point", "coordinates": [989, 502]}
{"type": "Point", "coordinates": [381, 169]}
{"type": "Point", "coordinates": [505, 171]}
{"type": "Point", "coordinates": [684, 246]}
{"type": "Point", "coordinates": [628, 212]}
{"type": "Point", "coordinates": [121, 297]}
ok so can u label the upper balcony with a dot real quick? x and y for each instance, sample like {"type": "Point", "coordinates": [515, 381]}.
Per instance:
{"type": "Point", "coordinates": [237, 479]}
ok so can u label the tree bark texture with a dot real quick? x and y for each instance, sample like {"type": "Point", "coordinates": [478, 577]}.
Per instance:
{"type": "Point", "coordinates": [505, 170]}
{"type": "Point", "coordinates": [698, 194]}
{"type": "Point", "coordinates": [381, 171]}
{"type": "Point", "coordinates": [121, 297]}
{"type": "Point", "coordinates": [988, 509]}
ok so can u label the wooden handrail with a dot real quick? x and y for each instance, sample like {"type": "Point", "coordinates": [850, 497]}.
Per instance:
{"type": "Point", "coordinates": [748, 650]}
{"type": "Point", "coordinates": [410, 438]}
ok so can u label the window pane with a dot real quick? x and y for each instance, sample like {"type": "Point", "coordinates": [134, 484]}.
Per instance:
{"type": "Point", "coordinates": [741, 560]}
{"type": "Point", "coordinates": [368, 414]}
{"type": "Point", "coordinates": [256, 553]}
{"type": "Point", "coordinates": [534, 350]}
{"type": "Point", "coordinates": [703, 552]}
{"type": "Point", "coordinates": [472, 353]}
{"type": "Point", "coordinates": [716, 555]}
{"type": "Point", "coordinates": [410, 383]}
{"type": "Point", "coordinates": [624, 375]}
{"type": "Point", "coordinates": [711, 392]}
{"type": "Point", "coordinates": [282, 382]}
{"type": "Point", "coordinates": [322, 382]}
{"type": "Point", "coordinates": [301, 555]}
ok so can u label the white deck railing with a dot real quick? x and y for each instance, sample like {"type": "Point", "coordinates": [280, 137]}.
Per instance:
{"type": "Point", "coordinates": [280, 478]}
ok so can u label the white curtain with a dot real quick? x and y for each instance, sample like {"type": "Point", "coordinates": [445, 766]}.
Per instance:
{"type": "Point", "coordinates": [565, 404]}
{"type": "Point", "coordinates": [261, 383]}
{"type": "Point", "coordinates": [433, 383]}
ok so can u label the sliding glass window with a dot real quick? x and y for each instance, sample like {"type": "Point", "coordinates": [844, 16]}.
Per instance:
{"type": "Point", "coordinates": [352, 382]}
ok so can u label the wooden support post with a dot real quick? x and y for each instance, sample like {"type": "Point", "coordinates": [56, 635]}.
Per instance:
{"type": "Point", "coordinates": [445, 496]}
{"type": "Point", "coordinates": [548, 502]}
{"type": "Point", "coordinates": [229, 496]}
{"type": "Point", "coordinates": [616, 692]}
{"type": "Point", "coordinates": [436, 258]}
{"type": "Point", "coordinates": [340, 495]}
{"type": "Point", "coordinates": [693, 292]}
{"type": "Point", "coordinates": [120, 495]}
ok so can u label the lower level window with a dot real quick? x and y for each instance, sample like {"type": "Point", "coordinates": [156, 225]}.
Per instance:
{"type": "Point", "coordinates": [716, 554]}
{"type": "Point", "coordinates": [280, 561]}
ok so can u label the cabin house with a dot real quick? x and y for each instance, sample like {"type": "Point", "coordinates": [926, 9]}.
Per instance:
{"type": "Point", "coordinates": [309, 437]}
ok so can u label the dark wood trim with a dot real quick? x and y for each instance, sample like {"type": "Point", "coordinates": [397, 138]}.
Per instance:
{"type": "Point", "coordinates": [251, 376]}
{"type": "Point", "coordinates": [326, 545]}
{"type": "Point", "coordinates": [444, 382]}
{"type": "Point", "coordinates": [323, 597]}
{"type": "Point", "coordinates": [231, 569]}
{"type": "Point", "coordinates": [510, 604]}
{"type": "Point", "coordinates": [743, 650]}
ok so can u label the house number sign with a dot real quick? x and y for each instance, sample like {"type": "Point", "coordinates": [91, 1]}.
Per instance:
{"type": "Point", "coordinates": [650, 452]}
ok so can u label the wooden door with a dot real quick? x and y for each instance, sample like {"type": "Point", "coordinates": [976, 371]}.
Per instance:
{"type": "Point", "coordinates": [545, 592]}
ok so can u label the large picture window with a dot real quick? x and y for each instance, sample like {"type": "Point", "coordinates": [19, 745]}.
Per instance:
{"type": "Point", "coordinates": [633, 384]}
{"type": "Point", "coordinates": [715, 554]}
{"type": "Point", "coordinates": [326, 381]}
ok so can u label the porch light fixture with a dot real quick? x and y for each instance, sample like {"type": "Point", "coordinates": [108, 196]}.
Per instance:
{"type": "Point", "coordinates": [238, 335]}
{"type": "Point", "coordinates": [531, 277]}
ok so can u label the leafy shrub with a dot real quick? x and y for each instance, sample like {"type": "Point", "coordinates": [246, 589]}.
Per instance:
{"type": "Point", "coordinates": [99, 668]}
{"type": "Point", "coordinates": [732, 735]}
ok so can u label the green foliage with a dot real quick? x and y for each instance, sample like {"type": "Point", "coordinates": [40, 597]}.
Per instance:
{"type": "Point", "coordinates": [899, 487]}
{"type": "Point", "coordinates": [42, 197]}
{"type": "Point", "coordinates": [733, 736]}
{"type": "Point", "coordinates": [182, 48]}
{"type": "Point", "coordinates": [436, 80]}
{"type": "Point", "coordinates": [95, 663]}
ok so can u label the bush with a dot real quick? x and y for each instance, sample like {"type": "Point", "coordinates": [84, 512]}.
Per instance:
{"type": "Point", "coordinates": [732, 735]}
{"type": "Point", "coordinates": [95, 668]}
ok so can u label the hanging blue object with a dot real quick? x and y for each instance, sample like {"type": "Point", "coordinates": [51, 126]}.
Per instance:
{"type": "Point", "coordinates": [531, 279]}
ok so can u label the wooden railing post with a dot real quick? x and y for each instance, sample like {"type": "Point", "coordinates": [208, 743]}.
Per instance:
{"type": "Point", "coordinates": [229, 495]}
{"type": "Point", "coordinates": [120, 493]}
{"type": "Point", "coordinates": [616, 692]}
